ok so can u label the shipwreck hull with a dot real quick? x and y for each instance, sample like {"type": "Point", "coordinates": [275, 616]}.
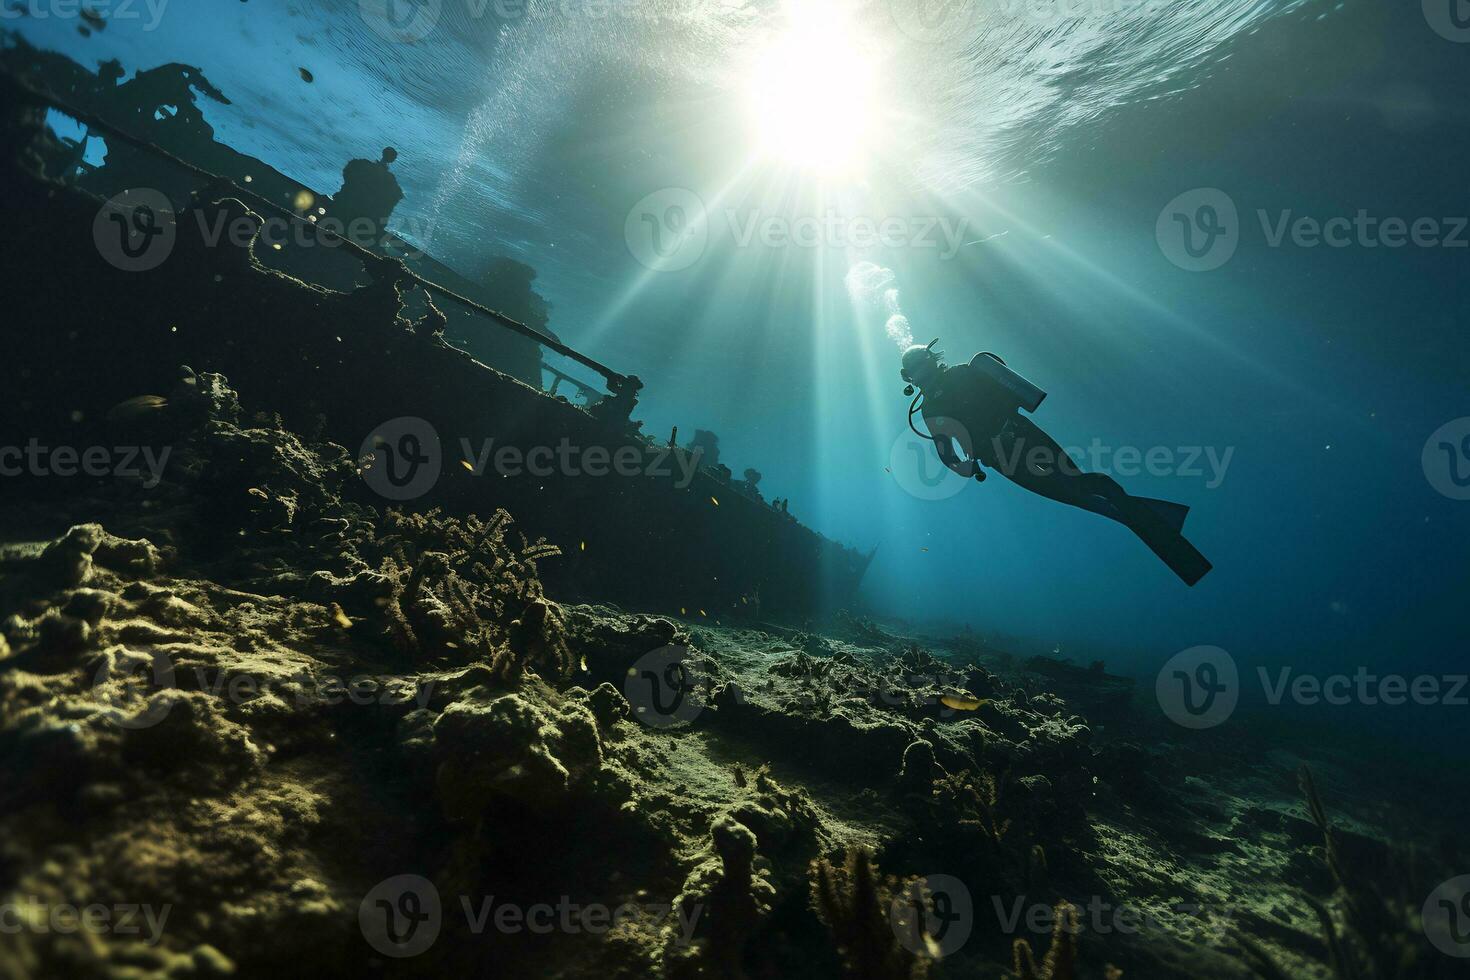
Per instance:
{"type": "Point", "coordinates": [81, 335]}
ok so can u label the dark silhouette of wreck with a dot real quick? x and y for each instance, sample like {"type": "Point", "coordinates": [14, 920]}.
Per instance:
{"type": "Point", "coordinates": [339, 340]}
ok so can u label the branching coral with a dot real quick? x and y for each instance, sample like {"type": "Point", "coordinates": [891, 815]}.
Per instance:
{"type": "Point", "coordinates": [1061, 957]}
{"type": "Point", "coordinates": [459, 584]}
{"type": "Point", "coordinates": [853, 901]}
{"type": "Point", "coordinates": [1380, 939]}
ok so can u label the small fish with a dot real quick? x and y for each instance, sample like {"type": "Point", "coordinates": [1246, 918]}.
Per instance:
{"type": "Point", "coordinates": [93, 19]}
{"type": "Point", "coordinates": [306, 76]}
{"type": "Point", "coordinates": [257, 492]}
{"type": "Point", "coordinates": [136, 408]}
{"type": "Point", "coordinates": [714, 501]}
{"type": "Point", "coordinates": [467, 465]}
{"type": "Point", "coordinates": [924, 549]}
{"type": "Point", "coordinates": [962, 704]}
{"type": "Point", "coordinates": [584, 545]}
{"type": "Point", "coordinates": [339, 617]}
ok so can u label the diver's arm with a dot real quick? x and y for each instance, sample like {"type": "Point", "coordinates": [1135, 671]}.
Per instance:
{"type": "Point", "coordinates": [964, 467]}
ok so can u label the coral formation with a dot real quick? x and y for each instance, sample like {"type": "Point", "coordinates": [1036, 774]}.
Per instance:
{"type": "Point", "coordinates": [255, 700]}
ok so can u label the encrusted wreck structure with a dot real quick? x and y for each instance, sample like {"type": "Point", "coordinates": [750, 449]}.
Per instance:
{"type": "Point", "coordinates": [346, 340]}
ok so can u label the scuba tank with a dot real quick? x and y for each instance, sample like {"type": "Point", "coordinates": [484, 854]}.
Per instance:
{"type": "Point", "coordinates": [1027, 394]}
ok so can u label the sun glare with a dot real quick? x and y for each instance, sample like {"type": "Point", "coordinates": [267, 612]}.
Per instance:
{"type": "Point", "coordinates": [811, 93]}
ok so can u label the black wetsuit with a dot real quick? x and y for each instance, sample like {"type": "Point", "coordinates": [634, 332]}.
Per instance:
{"type": "Point", "coordinates": [967, 406]}
{"type": "Point", "coordinates": [993, 432]}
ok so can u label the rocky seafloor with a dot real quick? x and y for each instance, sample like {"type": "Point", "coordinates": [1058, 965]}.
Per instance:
{"type": "Point", "coordinates": [250, 727]}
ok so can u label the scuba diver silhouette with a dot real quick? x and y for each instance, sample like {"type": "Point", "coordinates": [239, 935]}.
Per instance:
{"type": "Point", "coordinates": [979, 406]}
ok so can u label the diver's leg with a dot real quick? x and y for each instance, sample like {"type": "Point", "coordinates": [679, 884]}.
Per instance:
{"type": "Point", "coordinates": [1034, 460]}
{"type": "Point", "coordinates": [1028, 456]}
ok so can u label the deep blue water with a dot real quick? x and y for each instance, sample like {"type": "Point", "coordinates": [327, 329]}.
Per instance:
{"type": "Point", "coordinates": [1055, 146]}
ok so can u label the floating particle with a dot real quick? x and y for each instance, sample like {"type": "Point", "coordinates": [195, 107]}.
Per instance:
{"type": "Point", "coordinates": [304, 200]}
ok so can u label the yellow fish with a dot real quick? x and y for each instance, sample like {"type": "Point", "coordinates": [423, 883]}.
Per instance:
{"type": "Point", "coordinates": [961, 704]}
{"type": "Point", "coordinates": [136, 408]}
{"type": "Point", "coordinates": [339, 617]}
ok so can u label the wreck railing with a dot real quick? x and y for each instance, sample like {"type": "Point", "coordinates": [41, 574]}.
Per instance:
{"type": "Point", "coordinates": [624, 387]}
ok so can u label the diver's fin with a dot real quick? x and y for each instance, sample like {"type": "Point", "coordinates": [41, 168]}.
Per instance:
{"type": "Point", "coordinates": [1183, 558]}
{"type": "Point", "coordinates": [1172, 513]}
